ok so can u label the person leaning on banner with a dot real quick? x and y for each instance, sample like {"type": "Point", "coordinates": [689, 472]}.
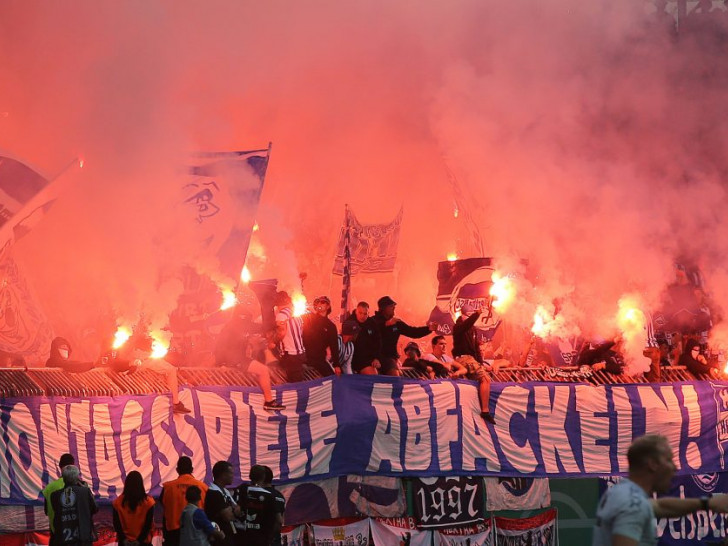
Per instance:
{"type": "Point", "coordinates": [60, 357]}
{"type": "Point", "coordinates": [173, 500]}
{"type": "Point", "coordinates": [133, 513]}
{"type": "Point", "coordinates": [319, 336]}
{"type": "Point", "coordinates": [195, 528]}
{"type": "Point", "coordinates": [604, 355]}
{"type": "Point", "coordinates": [289, 337]}
{"type": "Point", "coordinates": [73, 510]}
{"type": "Point", "coordinates": [626, 512]}
{"type": "Point", "coordinates": [390, 328]}
{"type": "Point", "coordinates": [66, 460]}
{"type": "Point", "coordinates": [694, 360]}
{"type": "Point", "coordinates": [363, 332]}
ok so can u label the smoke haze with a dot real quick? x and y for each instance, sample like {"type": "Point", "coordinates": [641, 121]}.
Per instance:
{"type": "Point", "coordinates": [592, 142]}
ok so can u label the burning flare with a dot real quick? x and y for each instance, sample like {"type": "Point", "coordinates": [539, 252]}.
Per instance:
{"type": "Point", "coordinates": [229, 299]}
{"type": "Point", "coordinates": [122, 335]}
{"type": "Point", "coordinates": [245, 274]}
{"type": "Point", "coordinates": [160, 344]}
{"type": "Point", "coordinates": [452, 256]}
{"type": "Point", "coordinates": [503, 291]}
{"type": "Point", "coordinates": [542, 320]}
{"type": "Point", "coordinates": [299, 304]}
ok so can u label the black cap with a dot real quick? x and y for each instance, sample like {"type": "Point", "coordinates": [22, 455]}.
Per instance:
{"type": "Point", "coordinates": [385, 301]}
{"type": "Point", "coordinates": [412, 346]}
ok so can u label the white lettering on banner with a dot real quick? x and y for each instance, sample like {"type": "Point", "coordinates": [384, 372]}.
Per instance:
{"type": "Point", "coordinates": [695, 526]}
{"type": "Point", "coordinates": [388, 434]}
{"type": "Point", "coordinates": [217, 420]}
{"type": "Point", "coordinates": [296, 454]}
{"type": "Point", "coordinates": [552, 428]}
{"type": "Point", "coordinates": [136, 452]}
{"type": "Point", "coordinates": [662, 413]}
{"type": "Point", "coordinates": [268, 427]}
{"type": "Point", "coordinates": [477, 439]}
{"type": "Point", "coordinates": [623, 408]}
{"type": "Point", "coordinates": [54, 435]}
{"type": "Point", "coordinates": [162, 439]}
{"type": "Point", "coordinates": [692, 407]}
{"type": "Point", "coordinates": [591, 404]}
{"type": "Point", "coordinates": [104, 449]}
{"type": "Point", "coordinates": [446, 421]}
{"type": "Point", "coordinates": [243, 418]}
{"type": "Point", "coordinates": [324, 425]}
{"type": "Point", "coordinates": [80, 413]}
{"type": "Point", "coordinates": [418, 444]}
{"type": "Point", "coordinates": [522, 457]}
{"type": "Point", "coordinates": [188, 433]}
{"type": "Point", "coordinates": [23, 425]}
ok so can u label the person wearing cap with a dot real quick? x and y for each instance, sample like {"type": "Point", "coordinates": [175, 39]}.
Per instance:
{"type": "Point", "coordinates": [361, 330]}
{"type": "Point", "coordinates": [319, 337]}
{"type": "Point", "coordinates": [289, 336]}
{"type": "Point", "coordinates": [173, 500]}
{"type": "Point", "coordinates": [390, 328]}
{"type": "Point", "coordinates": [466, 350]}
{"type": "Point", "coordinates": [66, 460]}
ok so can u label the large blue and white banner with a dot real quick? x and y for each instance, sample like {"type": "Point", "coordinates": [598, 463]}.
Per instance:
{"type": "Point", "coordinates": [361, 425]}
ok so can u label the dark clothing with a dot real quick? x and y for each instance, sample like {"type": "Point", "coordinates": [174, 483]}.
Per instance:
{"type": "Point", "coordinates": [693, 365]}
{"type": "Point", "coordinates": [390, 335]}
{"type": "Point", "coordinates": [367, 343]}
{"type": "Point", "coordinates": [260, 506]}
{"type": "Point", "coordinates": [293, 364]}
{"type": "Point", "coordinates": [215, 503]}
{"type": "Point", "coordinates": [235, 346]}
{"type": "Point", "coordinates": [55, 360]}
{"type": "Point", "coordinates": [280, 503]}
{"type": "Point", "coordinates": [603, 353]}
{"type": "Point", "coordinates": [319, 334]}
{"type": "Point", "coordinates": [465, 337]}
{"type": "Point", "coordinates": [73, 508]}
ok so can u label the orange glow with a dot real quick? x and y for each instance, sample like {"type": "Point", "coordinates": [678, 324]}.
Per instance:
{"type": "Point", "coordinates": [541, 320]}
{"type": "Point", "coordinates": [123, 333]}
{"type": "Point", "coordinates": [630, 318]}
{"type": "Point", "coordinates": [80, 163]}
{"type": "Point", "coordinates": [299, 304]}
{"type": "Point", "coordinates": [725, 369]}
{"type": "Point", "coordinates": [455, 212]}
{"type": "Point", "coordinates": [256, 227]}
{"type": "Point", "coordinates": [245, 274]}
{"type": "Point", "coordinates": [229, 299]}
{"type": "Point", "coordinates": [503, 291]}
{"type": "Point", "coordinates": [160, 344]}
{"type": "Point", "coordinates": [452, 257]}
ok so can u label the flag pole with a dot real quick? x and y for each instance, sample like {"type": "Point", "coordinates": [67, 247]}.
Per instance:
{"type": "Point", "coordinates": [346, 278]}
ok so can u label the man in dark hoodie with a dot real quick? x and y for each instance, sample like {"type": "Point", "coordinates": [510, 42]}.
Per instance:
{"type": "Point", "coordinates": [363, 332]}
{"type": "Point", "coordinates": [390, 328]}
{"type": "Point", "coordinates": [60, 357]}
{"type": "Point", "coordinates": [319, 336]}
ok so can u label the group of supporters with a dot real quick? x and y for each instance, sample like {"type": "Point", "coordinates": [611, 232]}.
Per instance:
{"type": "Point", "coordinates": [195, 513]}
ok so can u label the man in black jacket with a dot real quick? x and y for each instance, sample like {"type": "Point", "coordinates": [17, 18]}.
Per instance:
{"type": "Point", "coordinates": [390, 328]}
{"type": "Point", "coordinates": [361, 329]}
{"type": "Point", "coordinates": [319, 335]}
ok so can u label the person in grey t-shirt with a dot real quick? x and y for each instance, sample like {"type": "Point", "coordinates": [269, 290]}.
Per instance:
{"type": "Point", "coordinates": [626, 512]}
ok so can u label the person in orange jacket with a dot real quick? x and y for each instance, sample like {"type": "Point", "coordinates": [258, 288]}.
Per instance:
{"type": "Point", "coordinates": [173, 500]}
{"type": "Point", "coordinates": [133, 513]}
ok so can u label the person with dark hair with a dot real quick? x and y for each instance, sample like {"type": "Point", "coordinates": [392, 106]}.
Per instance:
{"type": "Point", "coordinates": [604, 355]}
{"type": "Point", "coordinates": [319, 336]}
{"type": "Point", "coordinates": [626, 512]}
{"type": "Point", "coordinates": [390, 328]}
{"type": "Point", "coordinates": [173, 499]}
{"type": "Point", "coordinates": [413, 360]}
{"type": "Point", "coordinates": [56, 485]}
{"type": "Point", "coordinates": [289, 336]}
{"type": "Point", "coordinates": [220, 506]}
{"type": "Point", "coordinates": [280, 504]}
{"type": "Point", "coordinates": [441, 364]}
{"type": "Point", "coordinates": [263, 513]}
{"type": "Point", "coordinates": [133, 513]}
{"type": "Point", "coordinates": [195, 528]}
{"type": "Point", "coordinates": [360, 329]}
{"type": "Point", "coordinates": [73, 510]}
{"type": "Point", "coordinates": [693, 359]}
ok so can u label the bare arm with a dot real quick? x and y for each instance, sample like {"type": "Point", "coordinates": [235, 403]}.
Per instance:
{"type": "Point", "coordinates": [621, 540]}
{"type": "Point", "coordinates": [671, 507]}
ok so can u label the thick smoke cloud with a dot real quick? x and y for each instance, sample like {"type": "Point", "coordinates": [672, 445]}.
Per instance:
{"type": "Point", "coordinates": [592, 141]}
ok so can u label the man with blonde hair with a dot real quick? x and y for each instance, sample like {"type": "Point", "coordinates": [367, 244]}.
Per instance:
{"type": "Point", "coordinates": [626, 513]}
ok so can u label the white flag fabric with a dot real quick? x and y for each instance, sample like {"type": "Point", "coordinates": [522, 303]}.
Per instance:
{"type": "Point", "coordinates": [540, 529]}
{"type": "Point", "coordinates": [400, 532]}
{"type": "Point", "coordinates": [516, 494]}
{"type": "Point", "coordinates": [479, 534]}
{"type": "Point", "coordinates": [353, 533]}
{"type": "Point", "coordinates": [293, 536]}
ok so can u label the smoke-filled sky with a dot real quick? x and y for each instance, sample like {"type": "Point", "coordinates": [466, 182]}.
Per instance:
{"type": "Point", "coordinates": [589, 142]}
